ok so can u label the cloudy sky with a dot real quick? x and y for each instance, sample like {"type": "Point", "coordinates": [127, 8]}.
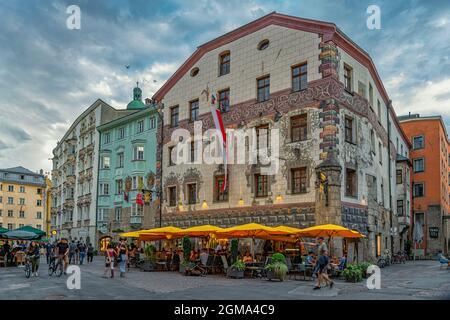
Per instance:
{"type": "Point", "coordinates": [50, 74]}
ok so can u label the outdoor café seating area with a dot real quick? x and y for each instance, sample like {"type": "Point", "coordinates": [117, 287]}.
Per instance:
{"type": "Point", "coordinates": [243, 251]}
{"type": "Point", "coordinates": [13, 244]}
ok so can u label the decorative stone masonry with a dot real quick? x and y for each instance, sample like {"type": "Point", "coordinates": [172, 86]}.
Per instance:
{"type": "Point", "coordinates": [295, 216]}
{"type": "Point", "coordinates": [329, 58]}
{"type": "Point", "coordinates": [329, 117]}
{"type": "Point", "coordinates": [355, 218]}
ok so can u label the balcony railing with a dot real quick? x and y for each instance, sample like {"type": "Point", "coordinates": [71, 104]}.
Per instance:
{"type": "Point", "coordinates": [136, 220]}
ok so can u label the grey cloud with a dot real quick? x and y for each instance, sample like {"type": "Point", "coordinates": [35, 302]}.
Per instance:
{"type": "Point", "coordinates": [443, 96]}
{"type": "Point", "coordinates": [15, 133]}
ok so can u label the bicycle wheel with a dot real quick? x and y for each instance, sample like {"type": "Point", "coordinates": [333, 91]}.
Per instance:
{"type": "Point", "coordinates": [59, 269]}
{"type": "Point", "coordinates": [27, 270]}
{"type": "Point", "coordinates": [51, 269]}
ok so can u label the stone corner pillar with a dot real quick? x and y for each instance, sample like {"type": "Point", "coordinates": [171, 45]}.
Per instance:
{"type": "Point", "coordinates": [328, 197]}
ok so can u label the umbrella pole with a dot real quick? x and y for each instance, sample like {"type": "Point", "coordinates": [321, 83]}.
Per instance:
{"type": "Point", "coordinates": [253, 248]}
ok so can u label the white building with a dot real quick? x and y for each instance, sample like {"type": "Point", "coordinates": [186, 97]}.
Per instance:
{"type": "Point", "coordinates": [75, 174]}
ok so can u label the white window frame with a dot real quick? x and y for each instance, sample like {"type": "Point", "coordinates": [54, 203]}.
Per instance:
{"type": "Point", "coordinates": [138, 154]}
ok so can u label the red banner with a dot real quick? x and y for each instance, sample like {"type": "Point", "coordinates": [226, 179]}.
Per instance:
{"type": "Point", "coordinates": [139, 199]}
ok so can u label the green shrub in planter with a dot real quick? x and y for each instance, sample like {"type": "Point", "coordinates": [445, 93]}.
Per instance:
{"type": "Point", "coordinates": [149, 252]}
{"type": "Point", "coordinates": [238, 265]}
{"type": "Point", "coordinates": [364, 266]}
{"type": "Point", "coordinates": [278, 257]}
{"type": "Point", "coordinates": [236, 270]}
{"type": "Point", "coordinates": [353, 273]}
{"type": "Point", "coordinates": [186, 248]}
{"type": "Point", "coordinates": [278, 269]}
{"type": "Point", "coordinates": [234, 250]}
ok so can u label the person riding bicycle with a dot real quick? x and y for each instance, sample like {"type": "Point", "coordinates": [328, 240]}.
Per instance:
{"type": "Point", "coordinates": [62, 249]}
{"type": "Point", "coordinates": [33, 253]}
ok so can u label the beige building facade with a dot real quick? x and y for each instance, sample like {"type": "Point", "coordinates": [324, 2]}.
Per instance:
{"type": "Point", "coordinates": [22, 199]}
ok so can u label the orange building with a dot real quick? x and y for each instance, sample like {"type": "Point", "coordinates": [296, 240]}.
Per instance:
{"type": "Point", "coordinates": [430, 156]}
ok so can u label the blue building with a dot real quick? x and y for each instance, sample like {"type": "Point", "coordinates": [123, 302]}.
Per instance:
{"type": "Point", "coordinates": [127, 158]}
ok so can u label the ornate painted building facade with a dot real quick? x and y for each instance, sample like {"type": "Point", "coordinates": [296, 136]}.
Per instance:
{"type": "Point", "coordinates": [322, 93]}
{"type": "Point", "coordinates": [127, 169]}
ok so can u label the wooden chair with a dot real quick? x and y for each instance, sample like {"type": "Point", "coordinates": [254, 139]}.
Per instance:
{"type": "Point", "coordinates": [19, 258]}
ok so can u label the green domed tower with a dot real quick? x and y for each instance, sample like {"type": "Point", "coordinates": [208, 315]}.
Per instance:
{"type": "Point", "coordinates": [137, 103]}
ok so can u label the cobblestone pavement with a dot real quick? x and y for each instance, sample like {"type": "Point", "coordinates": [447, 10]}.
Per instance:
{"type": "Point", "coordinates": [413, 280]}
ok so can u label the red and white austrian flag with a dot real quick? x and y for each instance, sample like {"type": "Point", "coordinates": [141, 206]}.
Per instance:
{"type": "Point", "coordinates": [221, 133]}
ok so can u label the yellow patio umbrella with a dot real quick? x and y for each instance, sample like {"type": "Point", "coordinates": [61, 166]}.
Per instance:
{"type": "Point", "coordinates": [155, 237]}
{"type": "Point", "coordinates": [328, 231]}
{"type": "Point", "coordinates": [287, 238]}
{"type": "Point", "coordinates": [199, 231]}
{"type": "Point", "coordinates": [132, 234]}
{"type": "Point", "coordinates": [288, 229]}
{"type": "Point", "coordinates": [166, 232]}
{"type": "Point", "coordinates": [250, 230]}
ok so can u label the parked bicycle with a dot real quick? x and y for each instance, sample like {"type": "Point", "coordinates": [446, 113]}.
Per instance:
{"type": "Point", "coordinates": [400, 257]}
{"type": "Point", "coordinates": [386, 259]}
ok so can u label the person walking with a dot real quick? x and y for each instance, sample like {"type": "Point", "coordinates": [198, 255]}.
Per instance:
{"type": "Point", "coordinates": [49, 251]}
{"type": "Point", "coordinates": [323, 262]}
{"type": "Point", "coordinates": [82, 252]}
{"type": "Point", "coordinates": [62, 252]}
{"type": "Point", "coordinates": [7, 253]}
{"type": "Point", "coordinates": [34, 254]}
{"type": "Point", "coordinates": [90, 253]}
{"type": "Point", "coordinates": [110, 254]}
{"type": "Point", "coordinates": [122, 252]}
{"type": "Point", "coordinates": [72, 251]}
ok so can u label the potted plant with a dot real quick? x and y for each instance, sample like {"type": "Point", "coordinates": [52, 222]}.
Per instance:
{"type": "Point", "coordinates": [277, 269]}
{"type": "Point", "coordinates": [364, 266]}
{"type": "Point", "coordinates": [236, 270]}
{"type": "Point", "coordinates": [353, 273]}
{"type": "Point", "coordinates": [186, 252]}
{"type": "Point", "coordinates": [149, 259]}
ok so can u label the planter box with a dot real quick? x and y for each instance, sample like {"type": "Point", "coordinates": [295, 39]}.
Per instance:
{"type": "Point", "coordinates": [148, 266]}
{"type": "Point", "coordinates": [271, 275]}
{"type": "Point", "coordinates": [237, 274]}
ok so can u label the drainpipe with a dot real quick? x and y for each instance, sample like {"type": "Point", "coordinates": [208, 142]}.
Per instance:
{"type": "Point", "coordinates": [98, 186]}
{"type": "Point", "coordinates": [161, 120]}
{"type": "Point", "coordinates": [389, 106]}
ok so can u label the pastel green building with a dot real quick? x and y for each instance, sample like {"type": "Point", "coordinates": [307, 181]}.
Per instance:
{"type": "Point", "coordinates": [127, 158]}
